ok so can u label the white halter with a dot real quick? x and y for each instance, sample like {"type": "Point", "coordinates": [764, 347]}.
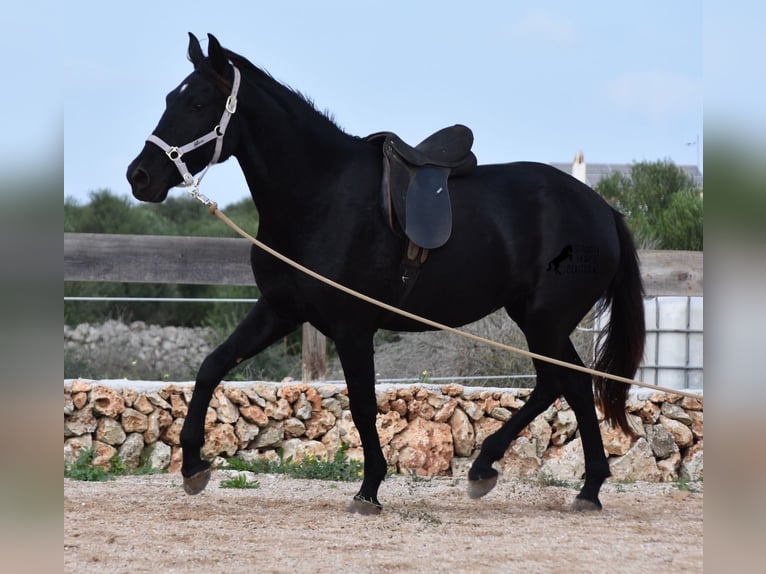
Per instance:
{"type": "Point", "coordinates": [176, 153]}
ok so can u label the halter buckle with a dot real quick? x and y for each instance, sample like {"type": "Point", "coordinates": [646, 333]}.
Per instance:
{"type": "Point", "coordinates": [174, 153]}
{"type": "Point", "coordinates": [231, 104]}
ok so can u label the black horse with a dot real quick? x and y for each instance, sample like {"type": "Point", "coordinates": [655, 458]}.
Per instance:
{"type": "Point", "coordinates": [318, 194]}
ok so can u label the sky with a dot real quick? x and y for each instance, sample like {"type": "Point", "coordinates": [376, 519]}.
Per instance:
{"type": "Point", "coordinates": [622, 82]}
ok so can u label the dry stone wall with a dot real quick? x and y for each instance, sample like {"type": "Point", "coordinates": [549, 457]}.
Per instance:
{"type": "Point", "coordinates": [426, 430]}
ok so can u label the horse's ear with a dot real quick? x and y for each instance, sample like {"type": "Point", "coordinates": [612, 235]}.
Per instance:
{"type": "Point", "coordinates": [195, 50]}
{"type": "Point", "coordinates": [217, 57]}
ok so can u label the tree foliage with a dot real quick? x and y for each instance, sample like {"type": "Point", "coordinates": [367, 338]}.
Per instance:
{"type": "Point", "coordinates": [661, 204]}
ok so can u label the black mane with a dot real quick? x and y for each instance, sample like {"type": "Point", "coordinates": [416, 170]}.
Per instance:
{"type": "Point", "coordinates": [296, 101]}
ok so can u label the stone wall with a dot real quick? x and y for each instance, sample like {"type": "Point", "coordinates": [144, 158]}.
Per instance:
{"type": "Point", "coordinates": [424, 429]}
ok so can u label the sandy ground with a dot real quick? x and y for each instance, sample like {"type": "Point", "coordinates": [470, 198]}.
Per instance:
{"type": "Point", "coordinates": [147, 524]}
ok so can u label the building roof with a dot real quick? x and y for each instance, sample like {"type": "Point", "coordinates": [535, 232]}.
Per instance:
{"type": "Point", "coordinates": [594, 172]}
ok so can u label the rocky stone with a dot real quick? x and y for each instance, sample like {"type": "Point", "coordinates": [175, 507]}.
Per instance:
{"type": "Point", "coordinates": [500, 413]}
{"type": "Point", "coordinates": [176, 459]}
{"type": "Point", "coordinates": [463, 435]}
{"type": "Point", "coordinates": [661, 441]}
{"type": "Point", "coordinates": [348, 433]}
{"type": "Point", "coordinates": [637, 464]}
{"type": "Point", "coordinates": [103, 454]}
{"type": "Point", "coordinates": [538, 432]}
{"type": "Point", "coordinates": [69, 407]}
{"type": "Point", "coordinates": [81, 422]}
{"type": "Point", "coordinates": [675, 412]}
{"type": "Point", "coordinates": [254, 397]}
{"type": "Point", "coordinates": [266, 392]}
{"type": "Point", "coordinates": [278, 410]}
{"type": "Point", "coordinates": [510, 401]}
{"type": "Point", "coordinates": [254, 414]}
{"type": "Point", "coordinates": [134, 421]}
{"type": "Point", "coordinates": [419, 408]}
{"type": "Point", "coordinates": [331, 441]}
{"type": "Point", "coordinates": [129, 451]}
{"type": "Point", "coordinates": [79, 386]}
{"type": "Point", "coordinates": [245, 431]}
{"type": "Point", "coordinates": [564, 425]}
{"type": "Point", "coordinates": [333, 406]}
{"type": "Point", "coordinates": [319, 423]}
{"type": "Point", "coordinates": [697, 427]}
{"type": "Point", "coordinates": [294, 427]}
{"type": "Point", "coordinates": [649, 412]}
{"type": "Point", "coordinates": [521, 460]}
{"type": "Point", "coordinates": [156, 456]}
{"type": "Point", "coordinates": [211, 419]}
{"type": "Point", "coordinates": [564, 462]}
{"type": "Point", "coordinates": [389, 425]}
{"type": "Point", "coordinates": [226, 411]}
{"type": "Point", "coordinates": [399, 406]}
{"type": "Point", "coordinates": [221, 439]}
{"type": "Point", "coordinates": [237, 396]}
{"type": "Point", "coordinates": [296, 450]}
{"type": "Point", "coordinates": [452, 390]}
{"type": "Point", "coordinates": [302, 407]}
{"type": "Point", "coordinates": [143, 405]}
{"type": "Point", "coordinates": [445, 411]}
{"type": "Point", "coordinates": [425, 448]}
{"type": "Point", "coordinates": [313, 397]}
{"type": "Point", "coordinates": [682, 434]}
{"type": "Point", "coordinates": [79, 400]}
{"type": "Point", "coordinates": [130, 396]}
{"type": "Point", "coordinates": [110, 432]}
{"type": "Point", "coordinates": [616, 442]}
{"type": "Point", "coordinates": [156, 423]}
{"type": "Point", "coordinates": [154, 398]}
{"type": "Point", "coordinates": [178, 406]}
{"type": "Point", "coordinates": [172, 434]}
{"type": "Point", "coordinates": [106, 402]}
{"type": "Point", "coordinates": [692, 404]}
{"type": "Point", "coordinates": [473, 410]}
{"type": "Point", "coordinates": [691, 464]}
{"type": "Point", "coordinates": [669, 467]}
{"type": "Point", "coordinates": [269, 436]}
{"type": "Point", "coordinates": [291, 392]}
{"type": "Point", "coordinates": [74, 446]}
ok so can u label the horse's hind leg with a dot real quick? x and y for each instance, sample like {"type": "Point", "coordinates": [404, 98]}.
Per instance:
{"type": "Point", "coordinates": [259, 329]}
{"type": "Point", "coordinates": [578, 391]}
{"type": "Point", "coordinates": [482, 477]}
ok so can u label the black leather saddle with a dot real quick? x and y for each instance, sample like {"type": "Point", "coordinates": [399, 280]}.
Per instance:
{"type": "Point", "coordinates": [415, 183]}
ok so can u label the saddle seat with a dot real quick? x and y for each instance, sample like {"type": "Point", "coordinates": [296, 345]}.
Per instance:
{"type": "Point", "coordinates": [414, 185]}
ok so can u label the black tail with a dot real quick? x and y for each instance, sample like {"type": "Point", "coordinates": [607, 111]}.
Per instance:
{"type": "Point", "coordinates": [621, 344]}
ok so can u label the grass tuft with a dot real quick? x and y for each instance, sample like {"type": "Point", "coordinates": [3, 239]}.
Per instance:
{"type": "Point", "coordinates": [338, 468]}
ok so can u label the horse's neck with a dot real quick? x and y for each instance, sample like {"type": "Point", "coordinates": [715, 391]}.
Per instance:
{"type": "Point", "coordinates": [285, 163]}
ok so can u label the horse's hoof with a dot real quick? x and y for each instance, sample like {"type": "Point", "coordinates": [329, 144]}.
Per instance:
{"type": "Point", "coordinates": [585, 505]}
{"type": "Point", "coordinates": [363, 506]}
{"type": "Point", "coordinates": [196, 483]}
{"type": "Point", "coordinates": [480, 487]}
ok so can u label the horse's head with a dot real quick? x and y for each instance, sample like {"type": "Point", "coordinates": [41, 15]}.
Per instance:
{"type": "Point", "coordinates": [189, 135]}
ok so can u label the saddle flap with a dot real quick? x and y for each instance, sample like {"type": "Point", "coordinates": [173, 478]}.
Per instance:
{"type": "Point", "coordinates": [428, 219]}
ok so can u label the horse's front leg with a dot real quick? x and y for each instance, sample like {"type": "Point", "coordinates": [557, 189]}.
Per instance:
{"type": "Point", "coordinates": [355, 351]}
{"type": "Point", "coordinates": [259, 329]}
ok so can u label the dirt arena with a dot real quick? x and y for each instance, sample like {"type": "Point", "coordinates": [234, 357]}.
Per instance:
{"type": "Point", "coordinates": [147, 524]}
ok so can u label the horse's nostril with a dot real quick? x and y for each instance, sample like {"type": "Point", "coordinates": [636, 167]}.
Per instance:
{"type": "Point", "coordinates": [139, 178]}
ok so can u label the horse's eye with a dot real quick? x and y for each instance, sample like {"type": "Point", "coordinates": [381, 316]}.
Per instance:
{"type": "Point", "coordinates": [199, 107]}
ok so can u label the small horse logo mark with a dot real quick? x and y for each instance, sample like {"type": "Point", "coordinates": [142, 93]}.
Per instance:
{"type": "Point", "coordinates": [554, 263]}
